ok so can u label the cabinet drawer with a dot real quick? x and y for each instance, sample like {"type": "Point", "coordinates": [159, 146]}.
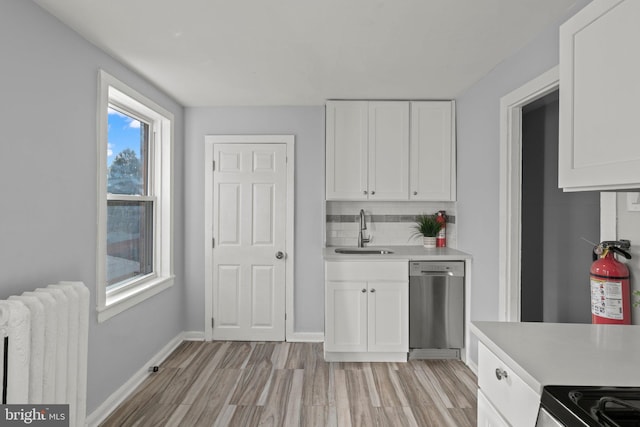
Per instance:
{"type": "Point", "coordinates": [367, 270]}
{"type": "Point", "coordinates": [509, 394]}
{"type": "Point", "coordinates": [488, 416]}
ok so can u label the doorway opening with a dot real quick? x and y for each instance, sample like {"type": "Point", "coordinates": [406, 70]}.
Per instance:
{"type": "Point", "coordinates": [556, 226]}
{"type": "Point", "coordinates": [558, 253]}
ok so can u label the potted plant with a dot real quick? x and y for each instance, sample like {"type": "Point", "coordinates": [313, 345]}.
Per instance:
{"type": "Point", "coordinates": [427, 226]}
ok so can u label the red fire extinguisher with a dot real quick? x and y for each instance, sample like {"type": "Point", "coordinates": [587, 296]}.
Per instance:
{"type": "Point", "coordinates": [610, 294]}
{"type": "Point", "coordinates": [441, 238]}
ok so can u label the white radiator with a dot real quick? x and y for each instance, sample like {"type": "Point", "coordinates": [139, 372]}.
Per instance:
{"type": "Point", "coordinates": [45, 336]}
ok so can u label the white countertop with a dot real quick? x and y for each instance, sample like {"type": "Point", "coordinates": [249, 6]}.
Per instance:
{"type": "Point", "coordinates": [565, 354]}
{"type": "Point", "coordinates": [409, 253]}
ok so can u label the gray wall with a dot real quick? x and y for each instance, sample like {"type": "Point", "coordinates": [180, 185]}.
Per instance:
{"type": "Point", "coordinates": [48, 185]}
{"type": "Point", "coordinates": [478, 121]}
{"type": "Point", "coordinates": [555, 224]}
{"type": "Point", "coordinates": [307, 124]}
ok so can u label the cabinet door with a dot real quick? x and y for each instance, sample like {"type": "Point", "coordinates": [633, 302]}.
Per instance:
{"type": "Point", "coordinates": [433, 159]}
{"type": "Point", "coordinates": [346, 150]}
{"type": "Point", "coordinates": [487, 414]}
{"type": "Point", "coordinates": [599, 109]}
{"type": "Point", "coordinates": [389, 150]}
{"type": "Point", "coordinates": [346, 316]}
{"type": "Point", "coordinates": [388, 317]}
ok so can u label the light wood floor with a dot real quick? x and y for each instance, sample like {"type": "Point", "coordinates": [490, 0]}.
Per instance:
{"type": "Point", "coordinates": [290, 384]}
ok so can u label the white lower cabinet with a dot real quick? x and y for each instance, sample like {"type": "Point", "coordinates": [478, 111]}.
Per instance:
{"type": "Point", "coordinates": [503, 397]}
{"type": "Point", "coordinates": [346, 316]}
{"type": "Point", "coordinates": [367, 311]}
{"type": "Point", "coordinates": [488, 416]}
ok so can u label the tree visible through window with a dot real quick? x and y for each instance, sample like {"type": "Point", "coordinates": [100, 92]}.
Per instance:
{"type": "Point", "coordinates": [124, 173]}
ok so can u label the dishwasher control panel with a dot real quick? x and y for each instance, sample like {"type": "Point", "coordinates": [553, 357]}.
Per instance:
{"type": "Point", "coordinates": [453, 268]}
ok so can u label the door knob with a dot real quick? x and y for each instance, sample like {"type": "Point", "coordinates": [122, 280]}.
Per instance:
{"type": "Point", "coordinates": [279, 255]}
{"type": "Point", "coordinates": [415, 193]}
{"type": "Point", "coordinates": [373, 290]}
{"type": "Point", "coordinates": [364, 290]}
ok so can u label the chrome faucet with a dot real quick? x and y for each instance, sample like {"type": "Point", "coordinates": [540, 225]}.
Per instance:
{"type": "Point", "coordinates": [363, 226]}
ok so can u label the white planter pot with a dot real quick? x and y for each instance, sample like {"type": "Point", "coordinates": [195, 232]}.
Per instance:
{"type": "Point", "coordinates": [429, 242]}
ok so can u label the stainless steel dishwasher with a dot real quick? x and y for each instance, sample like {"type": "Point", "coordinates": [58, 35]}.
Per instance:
{"type": "Point", "coordinates": [436, 309]}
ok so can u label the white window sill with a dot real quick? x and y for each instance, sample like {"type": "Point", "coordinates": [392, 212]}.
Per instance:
{"type": "Point", "coordinates": [127, 299]}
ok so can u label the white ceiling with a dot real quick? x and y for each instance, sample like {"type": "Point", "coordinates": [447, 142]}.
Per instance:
{"type": "Point", "coordinates": [302, 52]}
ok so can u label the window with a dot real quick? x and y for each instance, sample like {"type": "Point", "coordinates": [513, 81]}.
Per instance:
{"type": "Point", "coordinates": [134, 197]}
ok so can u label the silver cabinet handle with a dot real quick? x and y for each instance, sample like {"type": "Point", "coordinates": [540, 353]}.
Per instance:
{"type": "Point", "coordinates": [415, 193]}
{"type": "Point", "coordinates": [365, 192]}
{"type": "Point", "coordinates": [279, 255]}
{"type": "Point", "coordinates": [373, 290]}
{"type": "Point", "coordinates": [501, 373]}
{"type": "Point", "coordinates": [373, 192]}
{"type": "Point", "coordinates": [364, 290]}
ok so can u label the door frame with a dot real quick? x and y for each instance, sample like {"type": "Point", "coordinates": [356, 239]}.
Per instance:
{"type": "Point", "coordinates": [209, 141]}
{"type": "Point", "coordinates": [509, 265]}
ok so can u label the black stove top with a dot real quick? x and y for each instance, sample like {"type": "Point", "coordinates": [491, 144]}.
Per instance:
{"type": "Point", "coordinates": [593, 406]}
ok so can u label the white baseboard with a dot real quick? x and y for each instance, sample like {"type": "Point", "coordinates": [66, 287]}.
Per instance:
{"type": "Point", "coordinates": [473, 367]}
{"type": "Point", "coordinates": [306, 337]}
{"type": "Point", "coordinates": [193, 336]}
{"type": "Point", "coordinates": [117, 397]}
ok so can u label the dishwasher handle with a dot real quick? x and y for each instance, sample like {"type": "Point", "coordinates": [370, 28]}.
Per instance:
{"type": "Point", "coordinates": [434, 273]}
{"type": "Point", "coordinates": [436, 268]}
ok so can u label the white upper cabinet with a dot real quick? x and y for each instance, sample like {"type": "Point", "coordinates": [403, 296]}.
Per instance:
{"type": "Point", "coordinates": [368, 154]}
{"type": "Point", "coordinates": [388, 150]}
{"type": "Point", "coordinates": [433, 151]}
{"type": "Point", "coordinates": [346, 150]}
{"type": "Point", "coordinates": [599, 92]}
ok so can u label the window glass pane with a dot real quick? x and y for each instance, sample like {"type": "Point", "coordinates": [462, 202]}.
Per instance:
{"type": "Point", "coordinates": [129, 240]}
{"type": "Point", "coordinates": [126, 154]}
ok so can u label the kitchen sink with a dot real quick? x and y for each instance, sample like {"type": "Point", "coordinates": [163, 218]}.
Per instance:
{"type": "Point", "coordinates": [362, 251]}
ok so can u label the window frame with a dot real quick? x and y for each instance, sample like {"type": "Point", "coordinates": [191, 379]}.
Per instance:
{"type": "Point", "coordinates": [112, 91]}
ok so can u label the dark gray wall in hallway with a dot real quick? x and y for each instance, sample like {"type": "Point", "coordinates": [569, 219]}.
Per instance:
{"type": "Point", "coordinates": [555, 258]}
{"type": "Point", "coordinates": [532, 235]}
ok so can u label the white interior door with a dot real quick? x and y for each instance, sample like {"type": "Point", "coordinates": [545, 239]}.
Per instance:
{"type": "Point", "coordinates": [249, 253]}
